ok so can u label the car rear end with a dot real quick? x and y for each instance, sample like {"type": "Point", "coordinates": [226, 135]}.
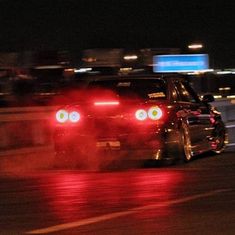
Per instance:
{"type": "Point", "coordinates": [123, 117]}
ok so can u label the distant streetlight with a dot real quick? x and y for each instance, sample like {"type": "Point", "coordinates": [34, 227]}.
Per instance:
{"type": "Point", "coordinates": [130, 57]}
{"type": "Point", "coordinates": [195, 46]}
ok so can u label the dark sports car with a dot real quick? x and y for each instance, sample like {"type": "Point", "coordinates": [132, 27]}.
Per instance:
{"type": "Point", "coordinates": [139, 117]}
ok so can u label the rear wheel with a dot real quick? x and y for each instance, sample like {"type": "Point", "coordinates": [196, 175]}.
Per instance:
{"type": "Point", "coordinates": [220, 138]}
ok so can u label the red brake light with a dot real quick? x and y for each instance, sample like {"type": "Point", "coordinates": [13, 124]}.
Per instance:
{"type": "Point", "coordinates": [74, 116]}
{"type": "Point", "coordinates": [105, 103]}
{"type": "Point", "coordinates": [153, 113]}
{"type": "Point", "coordinates": [141, 115]}
{"type": "Point", "coordinates": [62, 116]}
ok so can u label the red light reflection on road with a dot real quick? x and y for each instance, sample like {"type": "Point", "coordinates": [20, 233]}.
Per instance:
{"type": "Point", "coordinates": [73, 196]}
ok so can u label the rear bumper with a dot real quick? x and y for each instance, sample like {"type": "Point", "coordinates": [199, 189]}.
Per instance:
{"type": "Point", "coordinates": [129, 146]}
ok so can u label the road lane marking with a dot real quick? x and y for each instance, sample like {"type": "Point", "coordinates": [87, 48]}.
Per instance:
{"type": "Point", "coordinates": [231, 144]}
{"type": "Point", "coordinates": [230, 126]}
{"type": "Point", "coordinates": [114, 215]}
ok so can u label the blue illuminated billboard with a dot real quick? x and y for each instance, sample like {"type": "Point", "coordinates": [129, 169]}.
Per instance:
{"type": "Point", "coordinates": [180, 63]}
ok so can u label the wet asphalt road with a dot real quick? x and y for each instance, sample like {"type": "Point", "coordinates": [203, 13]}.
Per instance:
{"type": "Point", "coordinates": [194, 198]}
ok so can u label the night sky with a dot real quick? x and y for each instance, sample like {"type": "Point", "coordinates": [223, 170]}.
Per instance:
{"type": "Point", "coordinates": [75, 25]}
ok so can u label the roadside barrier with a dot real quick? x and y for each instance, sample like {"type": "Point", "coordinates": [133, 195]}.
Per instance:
{"type": "Point", "coordinates": [25, 129]}
{"type": "Point", "coordinates": [227, 109]}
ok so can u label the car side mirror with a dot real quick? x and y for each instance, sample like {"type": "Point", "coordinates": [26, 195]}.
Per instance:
{"type": "Point", "coordinates": [208, 98]}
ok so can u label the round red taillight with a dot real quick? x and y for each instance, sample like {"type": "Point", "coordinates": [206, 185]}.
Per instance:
{"type": "Point", "coordinates": [141, 115]}
{"type": "Point", "coordinates": [74, 116]}
{"type": "Point", "coordinates": [62, 116]}
{"type": "Point", "coordinates": [155, 113]}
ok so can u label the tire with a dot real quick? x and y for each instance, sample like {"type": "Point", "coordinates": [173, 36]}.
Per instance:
{"type": "Point", "coordinates": [185, 144]}
{"type": "Point", "coordinates": [220, 138]}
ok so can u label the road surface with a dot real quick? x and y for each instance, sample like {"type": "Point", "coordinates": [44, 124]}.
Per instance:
{"type": "Point", "coordinates": [194, 198]}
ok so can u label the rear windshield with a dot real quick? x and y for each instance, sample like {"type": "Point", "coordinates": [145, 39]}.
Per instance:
{"type": "Point", "coordinates": [136, 88]}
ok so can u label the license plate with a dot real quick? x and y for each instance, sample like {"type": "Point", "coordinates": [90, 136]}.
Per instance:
{"type": "Point", "coordinates": [108, 144]}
